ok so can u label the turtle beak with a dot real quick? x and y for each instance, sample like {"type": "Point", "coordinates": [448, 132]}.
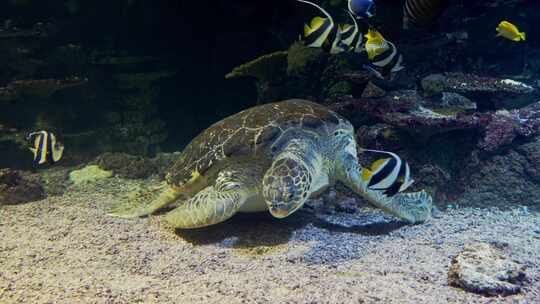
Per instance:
{"type": "Point", "coordinates": [283, 210]}
{"type": "Point", "coordinates": [278, 211]}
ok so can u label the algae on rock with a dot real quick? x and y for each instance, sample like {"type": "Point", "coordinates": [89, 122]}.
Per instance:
{"type": "Point", "coordinates": [268, 71]}
{"type": "Point", "coordinates": [87, 174]}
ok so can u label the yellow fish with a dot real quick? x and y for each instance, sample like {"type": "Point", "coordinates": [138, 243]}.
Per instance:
{"type": "Point", "coordinates": [375, 43]}
{"type": "Point", "coordinates": [510, 31]}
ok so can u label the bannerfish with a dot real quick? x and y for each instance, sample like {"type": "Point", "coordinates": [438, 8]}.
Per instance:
{"type": "Point", "coordinates": [385, 60]}
{"type": "Point", "coordinates": [348, 35]}
{"type": "Point", "coordinates": [45, 147]}
{"type": "Point", "coordinates": [322, 32]}
{"type": "Point", "coordinates": [391, 175]}
{"type": "Point", "coordinates": [351, 37]}
{"type": "Point", "coordinates": [375, 43]}
{"type": "Point", "coordinates": [362, 8]}
{"type": "Point", "coordinates": [510, 31]}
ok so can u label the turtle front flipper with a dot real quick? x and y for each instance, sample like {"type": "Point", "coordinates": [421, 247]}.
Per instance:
{"type": "Point", "coordinates": [414, 207]}
{"type": "Point", "coordinates": [208, 207]}
{"type": "Point", "coordinates": [159, 198]}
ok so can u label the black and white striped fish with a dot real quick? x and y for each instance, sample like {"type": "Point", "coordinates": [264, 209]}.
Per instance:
{"type": "Point", "coordinates": [385, 59]}
{"type": "Point", "coordinates": [351, 37]}
{"type": "Point", "coordinates": [322, 32]}
{"type": "Point", "coordinates": [391, 175]}
{"type": "Point", "coordinates": [45, 147]}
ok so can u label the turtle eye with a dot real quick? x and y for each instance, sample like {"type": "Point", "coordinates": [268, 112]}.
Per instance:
{"type": "Point", "coordinates": [338, 133]}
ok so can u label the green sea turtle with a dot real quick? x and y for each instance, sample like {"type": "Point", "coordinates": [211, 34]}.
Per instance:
{"type": "Point", "coordinates": [270, 157]}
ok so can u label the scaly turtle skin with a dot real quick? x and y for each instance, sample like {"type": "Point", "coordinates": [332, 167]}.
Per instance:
{"type": "Point", "coordinates": [270, 157]}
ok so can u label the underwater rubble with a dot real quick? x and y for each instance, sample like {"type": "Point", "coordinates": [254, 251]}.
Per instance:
{"type": "Point", "coordinates": [133, 166]}
{"type": "Point", "coordinates": [17, 187]}
{"type": "Point", "coordinates": [485, 269]}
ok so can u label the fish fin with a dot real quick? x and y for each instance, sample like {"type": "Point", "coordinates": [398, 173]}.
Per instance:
{"type": "Point", "coordinates": [405, 186]}
{"type": "Point", "coordinates": [371, 53]}
{"type": "Point", "coordinates": [373, 71]}
{"type": "Point", "coordinates": [34, 152]}
{"type": "Point", "coordinates": [522, 35]}
{"type": "Point", "coordinates": [307, 30]}
{"type": "Point", "coordinates": [399, 66]}
{"type": "Point", "coordinates": [319, 8]}
{"type": "Point", "coordinates": [57, 152]}
{"type": "Point", "coordinates": [378, 163]}
{"type": "Point", "coordinates": [366, 174]}
{"type": "Point", "coordinates": [42, 160]}
{"type": "Point", "coordinates": [316, 22]}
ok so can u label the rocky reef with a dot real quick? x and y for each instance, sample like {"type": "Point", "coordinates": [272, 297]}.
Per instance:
{"type": "Point", "coordinates": [485, 269]}
{"type": "Point", "coordinates": [469, 131]}
{"type": "Point", "coordinates": [17, 187]}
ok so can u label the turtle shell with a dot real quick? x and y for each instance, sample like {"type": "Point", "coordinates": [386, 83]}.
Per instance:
{"type": "Point", "coordinates": [249, 133]}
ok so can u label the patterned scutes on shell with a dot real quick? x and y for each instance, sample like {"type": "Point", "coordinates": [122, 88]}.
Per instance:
{"type": "Point", "coordinates": [249, 133]}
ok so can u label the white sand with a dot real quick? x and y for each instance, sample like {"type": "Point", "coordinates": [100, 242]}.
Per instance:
{"type": "Point", "coordinates": [66, 250]}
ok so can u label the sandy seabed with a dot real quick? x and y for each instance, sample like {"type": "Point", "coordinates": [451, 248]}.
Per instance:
{"type": "Point", "coordinates": [65, 249]}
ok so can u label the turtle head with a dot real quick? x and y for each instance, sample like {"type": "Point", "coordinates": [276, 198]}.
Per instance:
{"type": "Point", "coordinates": [286, 185]}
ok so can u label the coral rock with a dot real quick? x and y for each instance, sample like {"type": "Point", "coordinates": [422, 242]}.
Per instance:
{"type": "Point", "coordinates": [125, 165]}
{"type": "Point", "coordinates": [490, 93]}
{"type": "Point", "coordinates": [268, 70]}
{"type": "Point", "coordinates": [502, 127]}
{"type": "Point", "coordinates": [303, 61]}
{"type": "Point", "coordinates": [403, 109]}
{"type": "Point", "coordinates": [468, 83]}
{"type": "Point", "coordinates": [500, 180]}
{"type": "Point", "coordinates": [41, 88]}
{"type": "Point", "coordinates": [379, 136]}
{"type": "Point", "coordinates": [89, 173]}
{"type": "Point", "coordinates": [484, 269]}
{"type": "Point", "coordinates": [17, 187]}
{"type": "Point", "coordinates": [262, 68]}
{"type": "Point", "coordinates": [372, 91]}
{"type": "Point", "coordinates": [449, 102]}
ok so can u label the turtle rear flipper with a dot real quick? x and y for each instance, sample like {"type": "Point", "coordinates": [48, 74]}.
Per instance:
{"type": "Point", "coordinates": [235, 184]}
{"type": "Point", "coordinates": [208, 207]}
{"type": "Point", "coordinates": [136, 203]}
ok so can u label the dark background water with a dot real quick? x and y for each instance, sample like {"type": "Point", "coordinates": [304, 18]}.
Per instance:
{"type": "Point", "coordinates": [200, 40]}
